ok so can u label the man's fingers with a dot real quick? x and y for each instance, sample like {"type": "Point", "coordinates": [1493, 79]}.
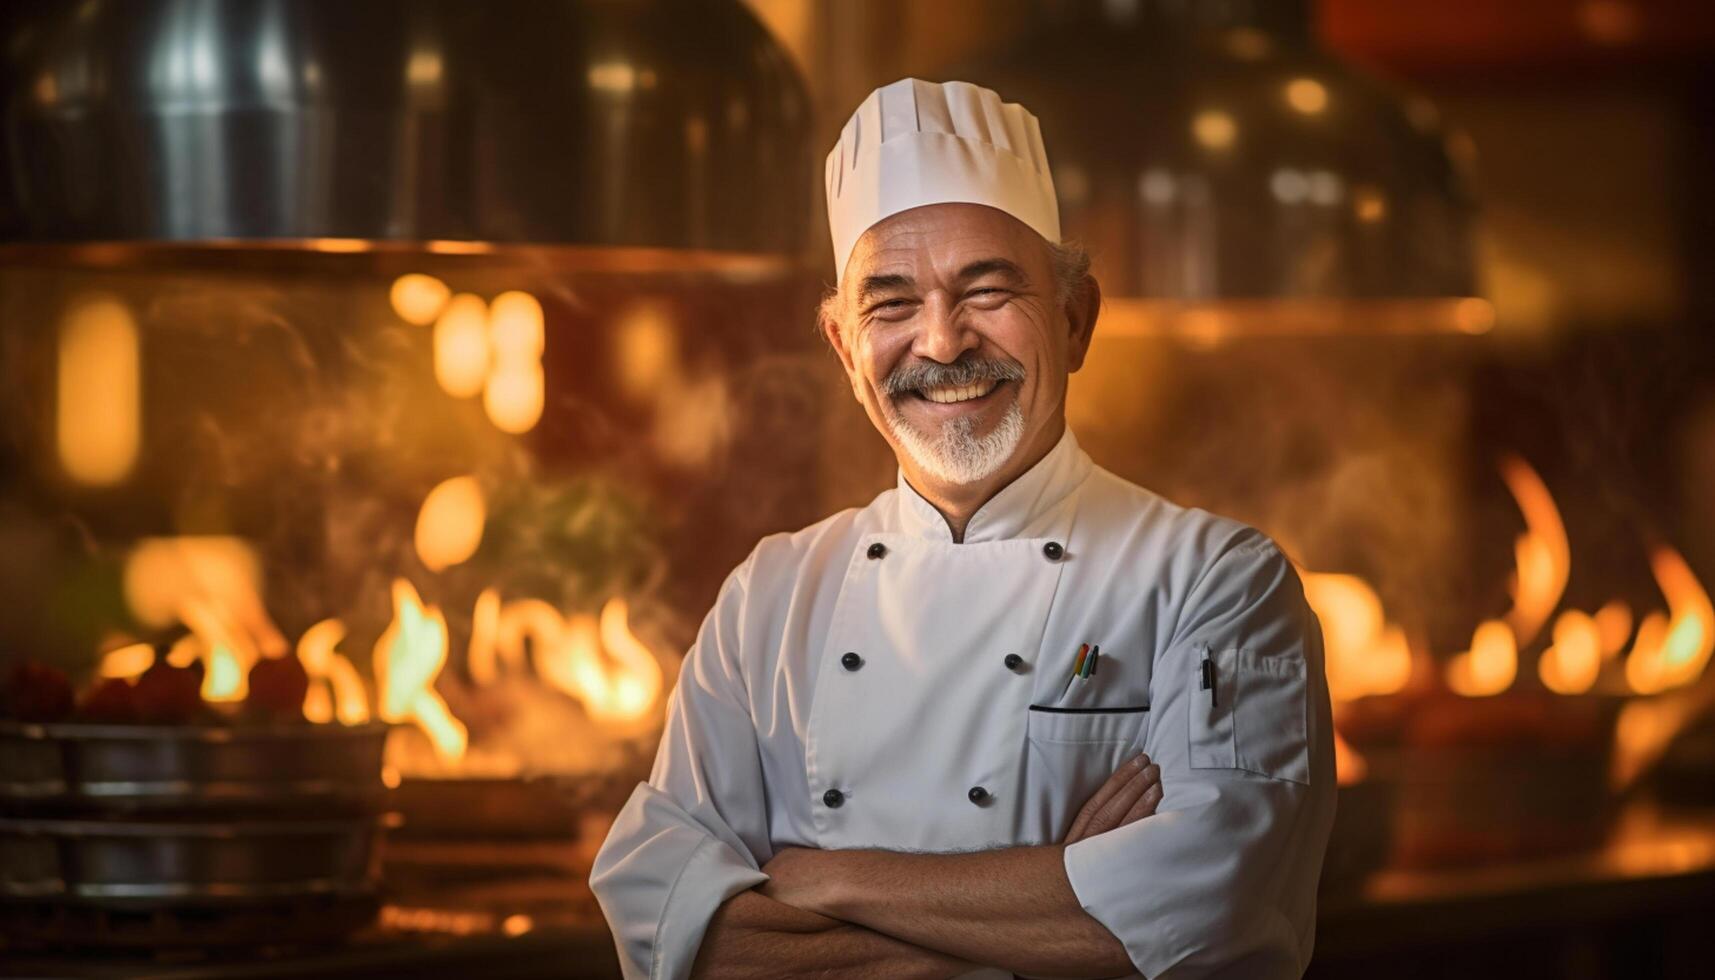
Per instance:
{"type": "Point", "coordinates": [1110, 814]}
{"type": "Point", "coordinates": [1115, 783]}
{"type": "Point", "coordinates": [1145, 805]}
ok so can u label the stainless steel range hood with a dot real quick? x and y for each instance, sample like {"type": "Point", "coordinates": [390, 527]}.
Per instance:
{"type": "Point", "coordinates": [1235, 178]}
{"type": "Point", "coordinates": [446, 125]}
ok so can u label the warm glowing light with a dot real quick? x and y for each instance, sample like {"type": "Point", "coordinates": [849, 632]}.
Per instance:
{"type": "Point", "coordinates": [450, 523]}
{"type": "Point", "coordinates": [1369, 204]}
{"type": "Point", "coordinates": [1214, 129]}
{"type": "Point", "coordinates": [219, 579]}
{"type": "Point", "coordinates": [1648, 726]}
{"type": "Point", "coordinates": [450, 246]}
{"type": "Point", "coordinates": [646, 350]}
{"type": "Point", "coordinates": [418, 298]}
{"type": "Point", "coordinates": [99, 395]}
{"type": "Point", "coordinates": [1474, 315]}
{"type": "Point", "coordinates": [1543, 555]}
{"type": "Point", "coordinates": [597, 660]}
{"type": "Point", "coordinates": [1673, 651]}
{"type": "Point", "coordinates": [484, 628]}
{"type": "Point", "coordinates": [517, 925]}
{"type": "Point", "coordinates": [514, 396]}
{"type": "Point", "coordinates": [1349, 766]}
{"type": "Point", "coordinates": [1307, 95]}
{"type": "Point", "coordinates": [1364, 653]}
{"type": "Point", "coordinates": [461, 346]}
{"type": "Point", "coordinates": [127, 661]}
{"type": "Point", "coordinates": [515, 327]}
{"type": "Point", "coordinates": [340, 245]}
{"type": "Point", "coordinates": [1613, 627]}
{"type": "Point", "coordinates": [408, 657]}
{"type": "Point", "coordinates": [1570, 666]}
{"type": "Point", "coordinates": [213, 585]}
{"type": "Point", "coordinates": [227, 651]}
{"type": "Point", "coordinates": [1489, 666]}
{"type": "Point", "coordinates": [635, 680]}
{"type": "Point", "coordinates": [613, 77]}
{"type": "Point", "coordinates": [336, 691]}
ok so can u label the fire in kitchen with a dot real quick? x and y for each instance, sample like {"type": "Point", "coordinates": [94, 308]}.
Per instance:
{"type": "Point", "coordinates": [392, 389]}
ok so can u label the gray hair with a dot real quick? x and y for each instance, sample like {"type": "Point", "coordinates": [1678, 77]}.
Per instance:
{"type": "Point", "coordinates": [1069, 259]}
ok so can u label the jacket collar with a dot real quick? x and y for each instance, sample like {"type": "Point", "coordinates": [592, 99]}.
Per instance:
{"type": "Point", "coordinates": [1022, 508]}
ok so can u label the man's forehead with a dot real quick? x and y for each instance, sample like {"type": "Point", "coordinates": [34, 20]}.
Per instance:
{"type": "Point", "coordinates": [944, 238]}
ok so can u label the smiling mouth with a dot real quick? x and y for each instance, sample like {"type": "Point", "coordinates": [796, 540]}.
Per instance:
{"type": "Point", "coordinates": [954, 394]}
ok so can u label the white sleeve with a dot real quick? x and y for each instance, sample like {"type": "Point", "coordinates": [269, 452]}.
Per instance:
{"type": "Point", "coordinates": [696, 833]}
{"type": "Point", "coordinates": [1221, 880]}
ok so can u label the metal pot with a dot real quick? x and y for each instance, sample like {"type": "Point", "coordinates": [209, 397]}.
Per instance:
{"type": "Point", "coordinates": [154, 863]}
{"type": "Point", "coordinates": [110, 767]}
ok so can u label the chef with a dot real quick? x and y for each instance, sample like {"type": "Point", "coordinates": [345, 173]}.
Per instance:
{"type": "Point", "coordinates": [1016, 715]}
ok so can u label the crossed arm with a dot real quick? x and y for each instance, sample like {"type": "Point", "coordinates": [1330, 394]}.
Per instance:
{"type": "Point", "coordinates": [869, 913]}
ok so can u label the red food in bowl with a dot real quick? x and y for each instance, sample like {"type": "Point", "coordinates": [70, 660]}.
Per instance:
{"type": "Point", "coordinates": [110, 702]}
{"type": "Point", "coordinates": [168, 695]}
{"type": "Point", "coordinates": [36, 692]}
{"type": "Point", "coordinates": [277, 686]}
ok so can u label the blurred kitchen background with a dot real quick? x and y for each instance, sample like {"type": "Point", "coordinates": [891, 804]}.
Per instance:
{"type": "Point", "coordinates": [457, 351]}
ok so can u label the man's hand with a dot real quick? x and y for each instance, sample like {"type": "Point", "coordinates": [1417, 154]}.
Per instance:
{"type": "Point", "coordinates": [797, 876]}
{"type": "Point", "coordinates": [1129, 795]}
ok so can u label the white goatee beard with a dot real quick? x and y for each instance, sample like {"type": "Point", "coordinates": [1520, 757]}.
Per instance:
{"type": "Point", "coordinates": [954, 455]}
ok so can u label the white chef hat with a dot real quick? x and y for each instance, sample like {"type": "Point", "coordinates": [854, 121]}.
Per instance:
{"type": "Point", "coordinates": [913, 143]}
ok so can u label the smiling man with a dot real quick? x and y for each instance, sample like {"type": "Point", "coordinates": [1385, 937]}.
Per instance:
{"type": "Point", "coordinates": [1015, 715]}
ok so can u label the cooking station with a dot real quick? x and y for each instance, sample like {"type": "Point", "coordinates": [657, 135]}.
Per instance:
{"type": "Point", "coordinates": [389, 387]}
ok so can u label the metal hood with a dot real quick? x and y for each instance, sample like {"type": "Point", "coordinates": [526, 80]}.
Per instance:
{"type": "Point", "coordinates": [641, 124]}
{"type": "Point", "coordinates": [1233, 177]}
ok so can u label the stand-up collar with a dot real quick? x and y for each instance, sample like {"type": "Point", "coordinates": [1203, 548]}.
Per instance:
{"type": "Point", "coordinates": [1021, 507]}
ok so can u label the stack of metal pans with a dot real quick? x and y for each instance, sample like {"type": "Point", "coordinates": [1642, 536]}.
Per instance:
{"type": "Point", "coordinates": [211, 823]}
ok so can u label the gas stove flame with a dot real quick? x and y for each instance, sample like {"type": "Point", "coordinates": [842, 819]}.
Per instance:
{"type": "Point", "coordinates": [1572, 663]}
{"type": "Point", "coordinates": [408, 657]}
{"type": "Point", "coordinates": [1672, 651]}
{"type": "Point", "coordinates": [1367, 654]}
{"type": "Point", "coordinates": [1489, 666]}
{"type": "Point", "coordinates": [1543, 555]}
{"type": "Point", "coordinates": [336, 691]}
{"type": "Point", "coordinates": [595, 659]}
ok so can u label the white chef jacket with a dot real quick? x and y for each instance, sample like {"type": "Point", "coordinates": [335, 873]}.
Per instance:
{"type": "Point", "coordinates": [852, 686]}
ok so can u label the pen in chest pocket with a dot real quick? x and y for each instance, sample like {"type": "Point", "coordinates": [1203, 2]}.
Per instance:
{"type": "Point", "coordinates": [1083, 665]}
{"type": "Point", "coordinates": [1209, 679]}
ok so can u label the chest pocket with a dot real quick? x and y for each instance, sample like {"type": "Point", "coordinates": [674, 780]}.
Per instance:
{"type": "Point", "coordinates": [1079, 748]}
{"type": "Point", "coordinates": [1249, 712]}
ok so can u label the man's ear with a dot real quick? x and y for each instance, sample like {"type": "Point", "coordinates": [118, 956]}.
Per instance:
{"type": "Point", "coordinates": [829, 324]}
{"type": "Point", "coordinates": [1082, 308]}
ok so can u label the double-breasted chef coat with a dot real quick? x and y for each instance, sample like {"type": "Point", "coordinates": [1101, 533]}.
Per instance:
{"type": "Point", "coordinates": [868, 683]}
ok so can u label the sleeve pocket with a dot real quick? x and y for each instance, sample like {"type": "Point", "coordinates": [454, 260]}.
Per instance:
{"type": "Point", "coordinates": [1252, 717]}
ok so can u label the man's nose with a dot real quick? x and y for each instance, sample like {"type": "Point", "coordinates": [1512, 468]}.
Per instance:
{"type": "Point", "coordinates": [943, 335]}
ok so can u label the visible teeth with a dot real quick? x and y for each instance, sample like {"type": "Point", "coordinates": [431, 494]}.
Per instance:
{"type": "Point", "coordinates": [948, 396]}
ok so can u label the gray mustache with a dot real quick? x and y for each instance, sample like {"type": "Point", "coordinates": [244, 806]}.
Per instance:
{"type": "Point", "coordinates": [932, 374]}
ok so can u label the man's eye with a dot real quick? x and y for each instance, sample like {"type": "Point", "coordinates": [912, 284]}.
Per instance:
{"type": "Point", "coordinates": [888, 305]}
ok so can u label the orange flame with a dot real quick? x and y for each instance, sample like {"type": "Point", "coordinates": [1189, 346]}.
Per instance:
{"type": "Point", "coordinates": [1489, 666]}
{"type": "Point", "coordinates": [1349, 766]}
{"type": "Point", "coordinates": [1570, 666]}
{"type": "Point", "coordinates": [597, 660]}
{"type": "Point", "coordinates": [1543, 555]}
{"type": "Point", "coordinates": [1365, 653]}
{"type": "Point", "coordinates": [1670, 652]}
{"type": "Point", "coordinates": [408, 657]}
{"type": "Point", "coordinates": [127, 662]}
{"type": "Point", "coordinates": [336, 691]}
{"type": "Point", "coordinates": [1613, 626]}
